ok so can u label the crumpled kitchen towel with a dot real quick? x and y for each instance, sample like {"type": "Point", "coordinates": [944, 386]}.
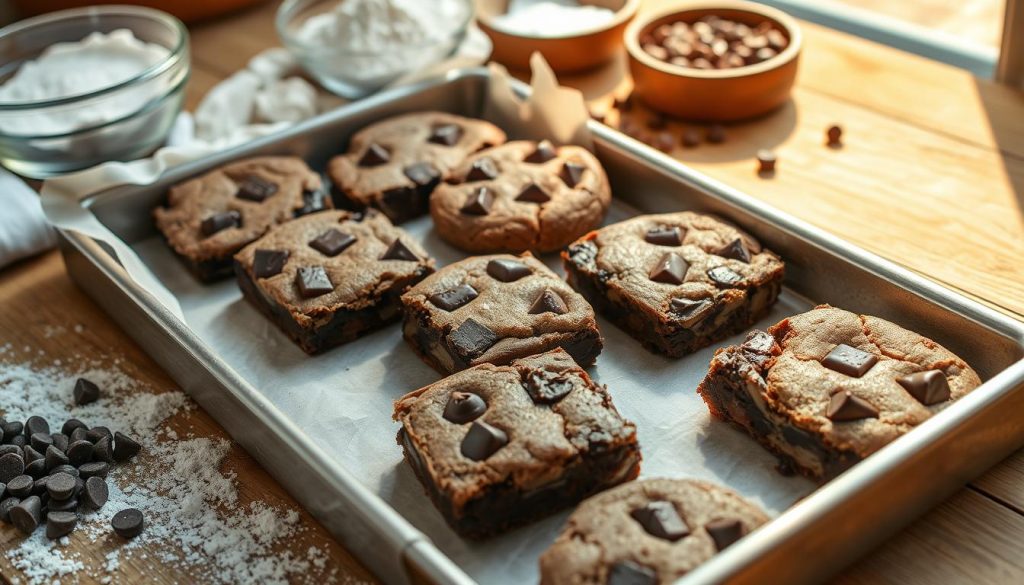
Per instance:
{"type": "Point", "coordinates": [24, 230]}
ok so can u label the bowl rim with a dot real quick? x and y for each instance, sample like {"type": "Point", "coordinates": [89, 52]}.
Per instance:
{"type": "Point", "coordinates": [628, 10]}
{"type": "Point", "coordinates": [636, 52]}
{"type": "Point", "coordinates": [173, 57]}
{"type": "Point", "coordinates": [284, 16]}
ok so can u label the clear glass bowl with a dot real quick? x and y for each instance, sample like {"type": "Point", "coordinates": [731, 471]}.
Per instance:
{"type": "Point", "coordinates": [143, 107]}
{"type": "Point", "coordinates": [356, 73]}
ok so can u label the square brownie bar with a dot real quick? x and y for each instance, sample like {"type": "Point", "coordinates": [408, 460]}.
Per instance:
{"type": "Point", "coordinates": [825, 389]}
{"type": "Point", "coordinates": [329, 278]}
{"type": "Point", "coordinates": [495, 309]}
{"type": "Point", "coordinates": [211, 217]}
{"type": "Point", "coordinates": [500, 446]}
{"type": "Point", "coordinates": [676, 282]}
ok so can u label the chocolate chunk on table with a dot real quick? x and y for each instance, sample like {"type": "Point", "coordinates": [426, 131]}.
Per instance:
{"type": "Point", "coordinates": [475, 311]}
{"type": "Point", "coordinates": [551, 447]}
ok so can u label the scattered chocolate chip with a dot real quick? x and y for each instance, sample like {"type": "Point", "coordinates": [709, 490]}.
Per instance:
{"type": "Point", "coordinates": [40, 441]}
{"type": "Point", "coordinates": [716, 134]}
{"type": "Point", "coordinates": [95, 494]}
{"type": "Point", "coordinates": [60, 441]}
{"type": "Point", "coordinates": [471, 339]}
{"type": "Point", "coordinates": [424, 175]}
{"type": "Point", "coordinates": [657, 121]}
{"type": "Point", "coordinates": [691, 138]}
{"type": "Point", "coordinates": [542, 154]}
{"type": "Point", "coordinates": [60, 524]}
{"type": "Point", "coordinates": [571, 173]}
{"type": "Point", "coordinates": [313, 281]}
{"type": "Point", "coordinates": [759, 342]}
{"type": "Point", "coordinates": [79, 434]}
{"type": "Point", "coordinates": [834, 136]}
{"type": "Point", "coordinates": [399, 251]}
{"type": "Point", "coordinates": [220, 221]}
{"type": "Point", "coordinates": [5, 449]}
{"type": "Point", "coordinates": [765, 163]}
{"type": "Point", "coordinates": [849, 360]}
{"type": "Point", "coordinates": [96, 433]}
{"type": "Point", "coordinates": [54, 458]}
{"type": "Point", "coordinates": [547, 387]}
{"type": "Point", "coordinates": [267, 263]}
{"type": "Point", "coordinates": [39, 486]}
{"type": "Point", "coordinates": [533, 194]}
{"type": "Point", "coordinates": [12, 429]}
{"type": "Point", "coordinates": [36, 424]}
{"type": "Point", "coordinates": [103, 450]}
{"type": "Point", "coordinates": [94, 469]}
{"type": "Point", "coordinates": [844, 406]}
{"type": "Point", "coordinates": [483, 169]}
{"type": "Point", "coordinates": [724, 531]}
{"type": "Point", "coordinates": [30, 454]}
{"type": "Point", "coordinates": [20, 486]}
{"type": "Point", "coordinates": [312, 202]}
{"type": "Point", "coordinates": [445, 134]}
{"type": "Point", "coordinates": [125, 447]}
{"type": "Point", "coordinates": [254, 188]}
{"type": "Point", "coordinates": [128, 523]}
{"type": "Point", "coordinates": [630, 573]}
{"type": "Point", "coordinates": [479, 202]}
{"type": "Point", "coordinates": [6, 505]}
{"type": "Point", "coordinates": [689, 311]}
{"type": "Point", "coordinates": [332, 242]}
{"type": "Point", "coordinates": [507, 270]}
{"type": "Point", "coordinates": [482, 441]}
{"type": "Point", "coordinates": [36, 469]}
{"type": "Point", "coordinates": [19, 440]}
{"type": "Point", "coordinates": [928, 387]}
{"type": "Point", "coordinates": [548, 301]}
{"type": "Point", "coordinates": [671, 269]}
{"type": "Point", "coordinates": [375, 155]}
{"type": "Point", "coordinates": [68, 469]}
{"type": "Point", "coordinates": [61, 486]}
{"type": "Point", "coordinates": [664, 236]}
{"type": "Point", "coordinates": [664, 141]}
{"type": "Point", "coordinates": [724, 276]}
{"type": "Point", "coordinates": [660, 519]}
{"type": "Point", "coordinates": [27, 515]}
{"type": "Point", "coordinates": [85, 392]}
{"type": "Point", "coordinates": [464, 407]}
{"type": "Point", "coordinates": [734, 250]}
{"type": "Point", "coordinates": [453, 298]}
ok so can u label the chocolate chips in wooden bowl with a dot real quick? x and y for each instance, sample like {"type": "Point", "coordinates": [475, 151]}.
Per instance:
{"type": "Point", "coordinates": [714, 42]}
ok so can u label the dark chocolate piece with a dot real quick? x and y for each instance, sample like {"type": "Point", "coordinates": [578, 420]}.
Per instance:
{"type": "Point", "coordinates": [724, 276]}
{"type": "Point", "coordinates": [453, 298]}
{"type": "Point", "coordinates": [689, 311]}
{"type": "Point", "coordinates": [71, 424]}
{"type": "Point", "coordinates": [399, 251]}
{"type": "Point", "coordinates": [571, 173]}
{"type": "Point", "coordinates": [928, 387]}
{"type": "Point", "coordinates": [548, 301]}
{"type": "Point", "coordinates": [332, 242]}
{"type": "Point", "coordinates": [103, 450]}
{"type": "Point", "coordinates": [54, 458]}
{"type": "Point", "coordinates": [128, 523]}
{"type": "Point", "coordinates": [255, 188]}
{"type": "Point", "coordinates": [424, 175]}
{"type": "Point", "coordinates": [36, 425]}
{"type": "Point", "coordinates": [94, 469]}
{"type": "Point", "coordinates": [544, 152]}
{"type": "Point", "coordinates": [844, 406]}
{"type": "Point", "coordinates": [375, 155]}
{"type": "Point", "coordinates": [507, 270]}
{"type": "Point", "coordinates": [125, 447]}
{"type": "Point", "coordinates": [766, 160]}
{"type": "Point", "coordinates": [313, 282]}
{"type": "Point", "coordinates": [267, 263]}
{"type": "Point", "coordinates": [20, 486]}
{"type": "Point", "coordinates": [312, 202]}
{"type": "Point", "coordinates": [220, 221]}
{"type": "Point", "coordinates": [630, 573]}
{"type": "Point", "coordinates": [96, 492]}
{"type": "Point", "coordinates": [660, 519]}
{"type": "Point", "coordinates": [547, 387]}
{"type": "Point", "coordinates": [734, 250]}
{"type": "Point", "coordinates": [27, 515]}
{"type": "Point", "coordinates": [724, 531]}
{"type": "Point", "coordinates": [79, 452]}
{"type": "Point", "coordinates": [671, 269]}
{"type": "Point", "coordinates": [483, 169]}
{"type": "Point", "coordinates": [834, 136]}
{"type": "Point", "coordinates": [85, 392]}
{"type": "Point", "coordinates": [445, 134]}
{"type": "Point", "coordinates": [664, 236]}
{"type": "Point", "coordinates": [60, 524]}
{"type": "Point", "coordinates": [533, 194]}
{"type": "Point", "coordinates": [60, 486]}
{"type": "Point", "coordinates": [464, 407]}
{"type": "Point", "coordinates": [471, 339]}
{"type": "Point", "coordinates": [849, 361]}
{"type": "Point", "coordinates": [716, 134]}
{"type": "Point", "coordinates": [482, 441]}
{"type": "Point", "coordinates": [479, 202]}
{"type": "Point", "coordinates": [40, 441]}
{"type": "Point", "coordinates": [96, 433]}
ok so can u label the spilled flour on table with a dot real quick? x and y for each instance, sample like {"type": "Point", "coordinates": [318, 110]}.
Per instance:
{"type": "Point", "coordinates": [192, 512]}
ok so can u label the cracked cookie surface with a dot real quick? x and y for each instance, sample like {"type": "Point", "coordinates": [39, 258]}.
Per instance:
{"type": "Point", "coordinates": [521, 196]}
{"type": "Point", "coordinates": [496, 309]}
{"type": "Point", "coordinates": [209, 218]}
{"type": "Point", "coordinates": [394, 165]}
{"type": "Point", "coordinates": [647, 532]}
{"type": "Point", "coordinates": [675, 281]}
{"type": "Point", "coordinates": [497, 446]}
{"type": "Point", "coordinates": [826, 388]}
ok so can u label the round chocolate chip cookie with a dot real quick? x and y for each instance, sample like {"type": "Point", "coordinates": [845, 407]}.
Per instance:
{"type": "Point", "coordinates": [647, 532]}
{"type": "Point", "coordinates": [395, 164]}
{"type": "Point", "coordinates": [521, 196]}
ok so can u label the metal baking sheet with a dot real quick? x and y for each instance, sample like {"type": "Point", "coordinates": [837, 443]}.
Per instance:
{"type": "Point", "coordinates": [322, 424]}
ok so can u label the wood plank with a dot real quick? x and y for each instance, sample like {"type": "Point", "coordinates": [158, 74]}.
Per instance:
{"type": "Point", "coordinates": [1005, 482]}
{"type": "Point", "coordinates": [976, 21]}
{"type": "Point", "coordinates": [37, 299]}
{"type": "Point", "coordinates": [227, 44]}
{"type": "Point", "coordinates": [967, 539]}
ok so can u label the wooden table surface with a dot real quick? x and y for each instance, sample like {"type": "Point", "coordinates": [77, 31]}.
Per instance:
{"type": "Point", "coordinates": [931, 177]}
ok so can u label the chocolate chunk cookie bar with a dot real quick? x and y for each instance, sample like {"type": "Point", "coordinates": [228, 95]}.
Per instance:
{"type": "Point", "coordinates": [496, 309]}
{"type": "Point", "coordinates": [521, 196]}
{"type": "Point", "coordinates": [395, 164]}
{"type": "Point", "coordinates": [647, 532]}
{"type": "Point", "coordinates": [825, 389]}
{"type": "Point", "coordinates": [331, 277]}
{"type": "Point", "coordinates": [678, 281]}
{"type": "Point", "coordinates": [500, 446]}
{"type": "Point", "coordinates": [210, 218]}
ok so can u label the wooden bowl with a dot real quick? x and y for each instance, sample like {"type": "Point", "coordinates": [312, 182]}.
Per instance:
{"type": "Point", "coordinates": [715, 95]}
{"type": "Point", "coordinates": [569, 54]}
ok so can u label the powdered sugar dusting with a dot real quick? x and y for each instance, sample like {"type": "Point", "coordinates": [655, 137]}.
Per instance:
{"type": "Point", "coordinates": [193, 515]}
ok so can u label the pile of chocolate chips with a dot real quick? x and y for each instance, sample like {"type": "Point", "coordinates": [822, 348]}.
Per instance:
{"type": "Point", "coordinates": [50, 476]}
{"type": "Point", "coordinates": [713, 42]}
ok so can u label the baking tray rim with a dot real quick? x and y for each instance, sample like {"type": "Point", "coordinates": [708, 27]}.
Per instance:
{"type": "Point", "coordinates": [820, 501]}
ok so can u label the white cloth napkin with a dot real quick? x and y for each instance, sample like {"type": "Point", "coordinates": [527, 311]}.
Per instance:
{"type": "Point", "coordinates": [24, 230]}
